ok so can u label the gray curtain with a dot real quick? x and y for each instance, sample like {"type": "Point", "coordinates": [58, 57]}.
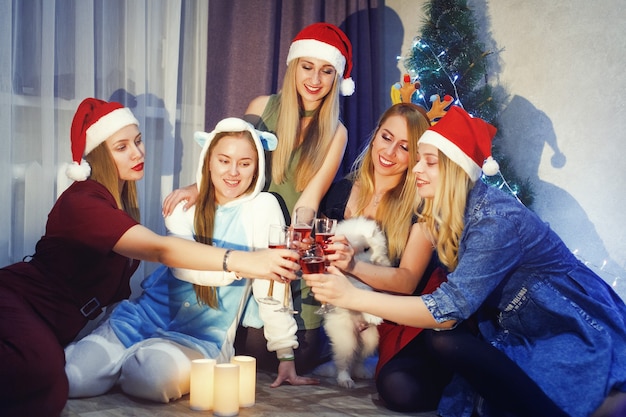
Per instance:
{"type": "Point", "coordinates": [248, 41]}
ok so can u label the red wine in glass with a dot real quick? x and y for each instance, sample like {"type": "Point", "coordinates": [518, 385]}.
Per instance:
{"type": "Point", "coordinates": [323, 238]}
{"type": "Point", "coordinates": [305, 231]}
{"type": "Point", "coordinates": [312, 264]}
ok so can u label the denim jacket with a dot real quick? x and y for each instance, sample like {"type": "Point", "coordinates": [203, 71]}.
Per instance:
{"type": "Point", "coordinates": [535, 301]}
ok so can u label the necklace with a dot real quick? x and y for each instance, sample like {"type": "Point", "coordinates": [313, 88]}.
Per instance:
{"type": "Point", "coordinates": [377, 198]}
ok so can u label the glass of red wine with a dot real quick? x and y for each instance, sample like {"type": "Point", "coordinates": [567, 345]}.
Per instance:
{"type": "Point", "coordinates": [324, 230]}
{"type": "Point", "coordinates": [277, 239]}
{"type": "Point", "coordinates": [312, 262]}
{"type": "Point", "coordinates": [303, 220]}
{"type": "Point", "coordinates": [293, 241]}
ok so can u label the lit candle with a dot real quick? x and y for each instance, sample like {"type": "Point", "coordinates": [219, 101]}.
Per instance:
{"type": "Point", "coordinates": [226, 393]}
{"type": "Point", "coordinates": [247, 379]}
{"type": "Point", "coordinates": [201, 384]}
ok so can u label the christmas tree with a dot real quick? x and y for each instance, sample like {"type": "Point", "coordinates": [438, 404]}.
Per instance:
{"type": "Point", "coordinates": [448, 58]}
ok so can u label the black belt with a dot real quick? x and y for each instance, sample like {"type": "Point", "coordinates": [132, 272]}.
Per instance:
{"type": "Point", "coordinates": [90, 309]}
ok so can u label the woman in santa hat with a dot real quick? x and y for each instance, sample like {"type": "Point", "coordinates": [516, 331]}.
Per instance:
{"type": "Point", "coordinates": [531, 297]}
{"type": "Point", "coordinates": [91, 247]}
{"type": "Point", "coordinates": [311, 144]}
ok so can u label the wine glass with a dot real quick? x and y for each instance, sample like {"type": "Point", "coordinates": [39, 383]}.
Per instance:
{"type": "Point", "coordinates": [292, 241]}
{"type": "Point", "coordinates": [303, 220]}
{"type": "Point", "coordinates": [324, 230]}
{"type": "Point", "coordinates": [312, 262]}
{"type": "Point", "coordinates": [277, 239]}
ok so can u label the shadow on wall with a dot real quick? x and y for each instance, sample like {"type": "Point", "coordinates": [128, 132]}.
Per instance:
{"type": "Point", "coordinates": [525, 132]}
{"type": "Point", "coordinates": [393, 37]}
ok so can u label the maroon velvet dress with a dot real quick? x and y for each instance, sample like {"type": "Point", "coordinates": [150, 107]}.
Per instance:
{"type": "Point", "coordinates": [46, 300]}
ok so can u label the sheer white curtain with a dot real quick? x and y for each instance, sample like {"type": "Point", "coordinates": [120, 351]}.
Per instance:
{"type": "Point", "coordinates": [149, 55]}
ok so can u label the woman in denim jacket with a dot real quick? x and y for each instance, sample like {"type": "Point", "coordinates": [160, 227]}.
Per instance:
{"type": "Point", "coordinates": [531, 297]}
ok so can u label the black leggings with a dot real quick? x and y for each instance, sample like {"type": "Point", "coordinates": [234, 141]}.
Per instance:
{"type": "Point", "coordinates": [414, 379]}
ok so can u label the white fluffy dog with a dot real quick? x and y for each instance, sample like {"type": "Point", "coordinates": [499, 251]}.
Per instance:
{"type": "Point", "coordinates": [353, 335]}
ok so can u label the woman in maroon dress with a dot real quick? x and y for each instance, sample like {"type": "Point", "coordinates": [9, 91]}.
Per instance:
{"type": "Point", "coordinates": [91, 247]}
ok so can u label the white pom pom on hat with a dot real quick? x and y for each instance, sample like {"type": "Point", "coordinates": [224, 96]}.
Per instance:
{"type": "Point", "coordinates": [95, 120]}
{"type": "Point", "coordinates": [328, 42]}
{"type": "Point", "coordinates": [464, 139]}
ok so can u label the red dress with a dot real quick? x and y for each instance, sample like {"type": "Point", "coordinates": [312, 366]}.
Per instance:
{"type": "Point", "coordinates": [393, 337]}
{"type": "Point", "coordinates": [47, 300]}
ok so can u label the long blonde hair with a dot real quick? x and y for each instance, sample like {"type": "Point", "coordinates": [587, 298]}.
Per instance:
{"type": "Point", "coordinates": [316, 137]}
{"type": "Point", "coordinates": [396, 209]}
{"type": "Point", "coordinates": [444, 213]}
{"type": "Point", "coordinates": [104, 171]}
{"type": "Point", "coordinates": [206, 205]}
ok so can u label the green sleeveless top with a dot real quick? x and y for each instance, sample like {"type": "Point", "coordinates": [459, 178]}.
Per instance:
{"type": "Point", "coordinates": [287, 190]}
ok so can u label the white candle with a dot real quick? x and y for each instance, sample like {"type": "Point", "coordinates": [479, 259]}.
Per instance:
{"type": "Point", "coordinates": [226, 393]}
{"type": "Point", "coordinates": [247, 379]}
{"type": "Point", "coordinates": [201, 384]}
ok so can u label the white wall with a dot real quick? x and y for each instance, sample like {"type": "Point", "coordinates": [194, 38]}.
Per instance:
{"type": "Point", "coordinates": [562, 64]}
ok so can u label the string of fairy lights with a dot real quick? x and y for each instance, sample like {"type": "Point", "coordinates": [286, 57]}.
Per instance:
{"type": "Point", "coordinates": [421, 44]}
{"type": "Point", "coordinates": [613, 279]}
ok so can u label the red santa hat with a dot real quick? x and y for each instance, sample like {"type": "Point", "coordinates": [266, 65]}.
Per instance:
{"type": "Point", "coordinates": [327, 42]}
{"type": "Point", "coordinates": [95, 121]}
{"type": "Point", "coordinates": [465, 140]}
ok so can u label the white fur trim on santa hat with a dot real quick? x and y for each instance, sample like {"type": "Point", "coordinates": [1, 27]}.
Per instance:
{"type": "Point", "coordinates": [317, 49]}
{"type": "Point", "coordinates": [490, 166]}
{"type": "Point", "coordinates": [347, 87]}
{"type": "Point", "coordinates": [453, 152]}
{"type": "Point", "coordinates": [107, 125]}
{"type": "Point", "coordinates": [77, 172]}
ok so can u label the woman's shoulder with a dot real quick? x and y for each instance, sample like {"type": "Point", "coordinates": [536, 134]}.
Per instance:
{"type": "Point", "coordinates": [341, 131]}
{"type": "Point", "coordinates": [86, 192]}
{"type": "Point", "coordinates": [258, 104]}
{"type": "Point", "coordinates": [265, 199]}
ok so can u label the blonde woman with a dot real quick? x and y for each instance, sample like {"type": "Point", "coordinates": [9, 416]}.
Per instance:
{"type": "Point", "coordinates": [91, 247]}
{"type": "Point", "coordinates": [382, 188]}
{"type": "Point", "coordinates": [559, 324]}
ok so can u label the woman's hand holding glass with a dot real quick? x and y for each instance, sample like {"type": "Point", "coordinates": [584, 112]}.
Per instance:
{"type": "Point", "coordinates": [275, 264]}
{"type": "Point", "coordinates": [332, 287]}
{"type": "Point", "coordinates": [340, 253]}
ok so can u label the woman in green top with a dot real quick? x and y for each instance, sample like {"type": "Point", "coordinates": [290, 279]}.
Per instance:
{"type": "Point", "coordinates": [311, 144]}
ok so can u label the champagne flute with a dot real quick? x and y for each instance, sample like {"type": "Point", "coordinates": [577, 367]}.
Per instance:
{"type": "Point", "coordinates": [293, 242]}
{"type": "Point", "coordinates": [324, 230]}
{"type": "Point", "coordinates": [277, 239]}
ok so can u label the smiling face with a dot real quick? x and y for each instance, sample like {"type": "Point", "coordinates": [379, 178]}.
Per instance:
{"type": "Point", "coordinates": [427, 170]}
{"type": "Point", "coordinates": [233, 167]}
{"type": "Point", "coordinates": [314, 80]}
{"type": "Point", "coordinates": [390, 148]}
{"type": "Point", "coordinates": [127, 150]}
